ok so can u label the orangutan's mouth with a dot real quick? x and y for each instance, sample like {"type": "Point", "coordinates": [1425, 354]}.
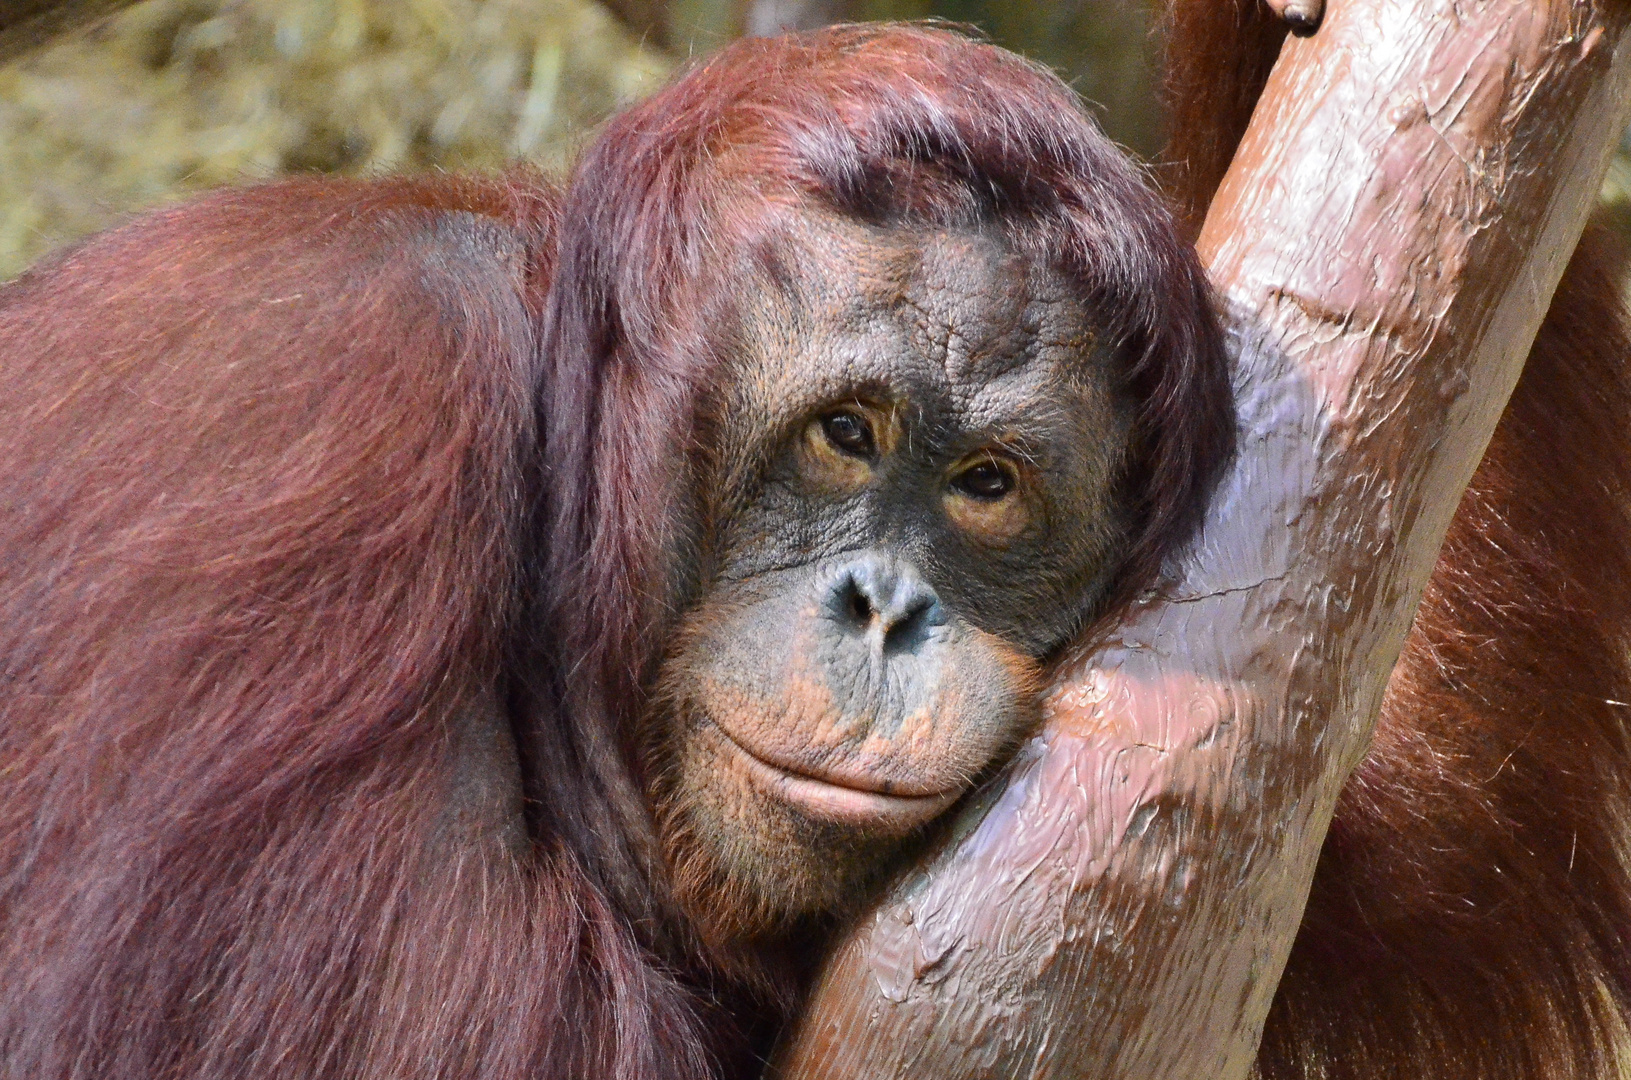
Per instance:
{"type": "Point", "coordinates": [841, 801]}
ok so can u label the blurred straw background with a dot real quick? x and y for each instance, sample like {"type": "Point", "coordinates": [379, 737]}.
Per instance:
{"type": "Point", "coordinates": [176, 96]}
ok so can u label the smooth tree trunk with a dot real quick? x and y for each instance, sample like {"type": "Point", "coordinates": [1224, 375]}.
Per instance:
{"type": "Point", "coordinates": [1121, 903]}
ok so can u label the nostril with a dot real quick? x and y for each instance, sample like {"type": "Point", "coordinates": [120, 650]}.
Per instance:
{"type": "Point", "coordinates": [860, 608]}
{"type": "Point", "coordinates": [908, 624]}
{"type": "Point", "coordinates": [910, 610]}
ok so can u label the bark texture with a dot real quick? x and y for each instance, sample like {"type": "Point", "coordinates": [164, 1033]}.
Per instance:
{"type": "Point", "coordinates": [1386, 243]}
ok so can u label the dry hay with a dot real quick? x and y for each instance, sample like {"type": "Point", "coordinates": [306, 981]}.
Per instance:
{"type": "Point", "coordinates": [175, 96]}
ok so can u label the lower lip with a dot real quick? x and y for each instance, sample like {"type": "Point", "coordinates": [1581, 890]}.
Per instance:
{"type": "Point", "coordinates": [841, 805]}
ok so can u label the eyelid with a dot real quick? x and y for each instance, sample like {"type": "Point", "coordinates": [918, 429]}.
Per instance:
{"type": "Point", "coordinates": [1010, 457]}
{"type": "Point", "coordinates": [993, 520]}
{"type": "Point", "coordinates": [830, 464]}
{"type": "Point", "coordinates": [867, 434]}
{"type": "Point", "coordinates": [1002, 464]}
{"type": "Point", "coordinates": [882, 417]}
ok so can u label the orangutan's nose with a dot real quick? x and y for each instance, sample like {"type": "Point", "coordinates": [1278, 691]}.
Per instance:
{"type": "Point", "coordinates": [884, 599]}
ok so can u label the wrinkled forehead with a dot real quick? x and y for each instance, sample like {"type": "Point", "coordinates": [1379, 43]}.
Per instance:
{"type": "Point", "coordinates": [953, 317]}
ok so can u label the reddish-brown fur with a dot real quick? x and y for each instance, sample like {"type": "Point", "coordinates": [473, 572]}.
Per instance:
{"type": "Point", "coordinates": [313, 494]}
{"type": "Point", "coordinates": [260, 543]}
{"type": "Point", "coordinates": [1471, 915]}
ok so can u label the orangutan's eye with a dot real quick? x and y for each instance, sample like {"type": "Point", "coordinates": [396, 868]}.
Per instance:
{"type": "Point", "coordinates": [850, 434]}
{"type": "Point", "coordinates": [989, 480]}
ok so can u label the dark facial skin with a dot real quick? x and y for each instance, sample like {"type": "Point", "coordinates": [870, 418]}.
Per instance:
{"type": "Point", "coordinates": [914, 500]}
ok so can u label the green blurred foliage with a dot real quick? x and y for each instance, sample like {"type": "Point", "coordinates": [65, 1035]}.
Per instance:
{"type": "Point", "coordinates": [175, 96]}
